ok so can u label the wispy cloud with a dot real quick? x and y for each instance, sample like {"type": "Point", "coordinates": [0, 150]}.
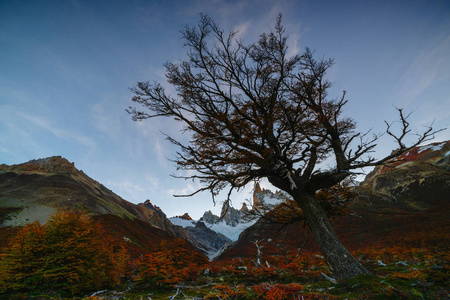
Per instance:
{"type": "Point", "coordinates": [160, 152]}
{"type": "Point", "coordinates": [229, 13]}
{"type": "Point", "coordinates": [65, 68]}
{"type": "Point", "coordinates": [130, 191]}
{"type": "Point", "coordinates": [45, 124]}
{"type": "Point", "coordinates": [153, 181]}
{"type": "Point", "coordinates": [106, 119]}
{"type": "Point", "coordinates": [9, 120]}
{"type": "Point", "coordinates": [427, 69]}
{"type": "Point", "coordinates": [241, 30]}
{"type": "Point", "coordinates": [4, 150]}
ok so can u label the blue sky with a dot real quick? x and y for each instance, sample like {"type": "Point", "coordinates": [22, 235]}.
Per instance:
{"type": "Point", "coordinates": [66, 66]}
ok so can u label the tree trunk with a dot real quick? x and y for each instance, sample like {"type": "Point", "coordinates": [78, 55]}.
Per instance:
{"type": "Point", "coordinates": [341, 262]}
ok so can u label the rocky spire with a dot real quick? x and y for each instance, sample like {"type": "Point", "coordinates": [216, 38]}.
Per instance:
{"type": "Point", "coordinates": [186, 216]}
{"type": "Point", "coordinates": [256, 191]}
{"type": "Point", "coordinates": [244, 208]}
{"type": "Point", "coordinates": [209, 217]}
{"type": "Point", "coordinates": [154, 207]}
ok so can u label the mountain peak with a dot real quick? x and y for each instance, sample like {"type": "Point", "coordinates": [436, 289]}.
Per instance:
{"type": "Point", "coordinates": [257, 190]}
{"type": "Point", "coordinates": [244, 208]}
{"type": "Point", "coordinates": [209, 217]}
{"type": "Point", "coordinates": [154, 207]}
{"type": "Point", "coordinates": [186, 216]}
{"type": "Point", "coordinates": [230, 215]}
{"type": "Point", "coordinates": [53, 164]}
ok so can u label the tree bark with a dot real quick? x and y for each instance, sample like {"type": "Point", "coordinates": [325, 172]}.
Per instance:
{"type": "Point", "coordinates": [342, 263]}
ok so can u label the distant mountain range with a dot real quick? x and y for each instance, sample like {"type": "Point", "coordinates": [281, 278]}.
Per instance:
{"type": "Point", "coordinates": [409, 194]}
{"type": "Point", "coordinates": [231, 222]}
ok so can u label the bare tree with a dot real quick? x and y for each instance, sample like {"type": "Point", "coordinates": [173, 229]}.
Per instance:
{"type": "Point", "coordinates": [254, 112]}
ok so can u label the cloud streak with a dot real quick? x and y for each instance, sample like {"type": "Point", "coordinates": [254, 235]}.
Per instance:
{"type": "Point", "coordinates": [430, 67]}
{"type": "Point", "coordinates": [64, 134]}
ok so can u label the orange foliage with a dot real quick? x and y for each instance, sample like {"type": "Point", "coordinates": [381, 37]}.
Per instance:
{"type": "Point", "coordinates": [172, 264]}
{"type": "Point", "coordinates": [412, 274]}
{"type": "Point", "coordinates": [334, 199]}
{"type": "Point", "coordinates": [278, 291]}
{"type": "Point", "coordinates": [69, 254]}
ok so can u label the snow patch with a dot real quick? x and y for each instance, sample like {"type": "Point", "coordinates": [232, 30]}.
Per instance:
{"type": "Point", "coordinates": [182, 222]}
{"type": "Point", "coordinates": [270, 199]}
{"type": "Point", "coordinates": [433, 147]}
{"type": "Point", "coordinates": [231, 232]}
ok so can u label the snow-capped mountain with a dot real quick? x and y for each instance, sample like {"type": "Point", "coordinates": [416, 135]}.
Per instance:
{"type": "Point", "coordinates": [265, 200]}
{"type": "Point", "coordinates": [208, 240]}
{"type": "Point", "coordinates": [216, 232]}
{"type": "Point", "coordinates": [230, 224]}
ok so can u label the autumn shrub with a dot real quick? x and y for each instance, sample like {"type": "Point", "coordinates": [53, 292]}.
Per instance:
{"type": "Point", "coordinates": [173, 263]}
{"type": "Point", "coordinates": [263, 272]}
{"type": "Point", "coordinates": [293, 269]}
{"type": "Point", "coordinates": [278, 291]}
{"type": "Point", "coordinates": [70, 255]}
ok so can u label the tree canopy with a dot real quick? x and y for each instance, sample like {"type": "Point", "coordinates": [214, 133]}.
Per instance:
{"type": "Point", "coordinates": [253, 111]}
{"type": "Point", "coordinates": [70, 254]}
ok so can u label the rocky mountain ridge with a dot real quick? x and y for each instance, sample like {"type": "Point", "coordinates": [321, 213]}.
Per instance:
{"type": "Point", "coordinates": [416, 180]}
{"type": "Point", "coordinates": [54, 164]}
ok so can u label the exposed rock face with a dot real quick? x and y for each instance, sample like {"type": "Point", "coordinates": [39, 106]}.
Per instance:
{"type": "Point", "coordinates": [209, 240]}
{"type": "Point", "coordinates": [186, 216]}
{"type": "Point", "coordinates": [54, 164]}
{"type": "Point", "coordinates": [415, 180]}
{"type": "Point", "coordinates": [264, 200]}
{"type": "Point", "coordinates": [231, 216]}
{"type": "Point", "coordinates": [256, 192]}
{"type": "Point", "coordinates": [209, 217]}
{"type": "Point", "coordinates": [154, 207]}
{"type": "Point", "coordinates": [244, 208]}
{"type": "Point", "coordinates": [160, 221]}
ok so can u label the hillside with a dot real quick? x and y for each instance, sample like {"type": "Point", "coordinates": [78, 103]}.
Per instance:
{"type": "Point", "coordinates": [35, 190]}
{"type": "Point", "coordinates": [402, 204]}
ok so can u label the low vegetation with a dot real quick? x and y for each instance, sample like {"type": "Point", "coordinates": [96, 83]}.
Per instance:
{"type": "Point", "coordinates": [72, 256]}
